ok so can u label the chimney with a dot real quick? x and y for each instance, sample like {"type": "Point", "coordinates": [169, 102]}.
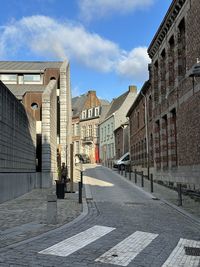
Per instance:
{"type": "Point", "coordinates": [132, 89]}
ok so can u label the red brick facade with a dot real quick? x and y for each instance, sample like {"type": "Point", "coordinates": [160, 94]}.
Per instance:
{"type": "Point", "coordinates": [174, 130]}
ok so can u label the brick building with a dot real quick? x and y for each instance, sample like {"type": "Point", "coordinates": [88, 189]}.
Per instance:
{"type": "Point", "coordinates": [87, 110]}
{"type": "Point", "coordinates": [175, 94]}
{"type": "Point", "coordinates": [44, 90]}
{"type": "Point", "coordinates": [141, 130]}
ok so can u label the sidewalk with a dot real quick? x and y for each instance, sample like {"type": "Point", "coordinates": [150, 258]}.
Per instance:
{"type": "Point", "coordinates": [190, 207]}
{"type": "Point", "coordinates": [26, 216]}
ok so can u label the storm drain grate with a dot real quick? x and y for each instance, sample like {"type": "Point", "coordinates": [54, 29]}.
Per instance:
{"type": "Point", "coordinates": [192, 251]}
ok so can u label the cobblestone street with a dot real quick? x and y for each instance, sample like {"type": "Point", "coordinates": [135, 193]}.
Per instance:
{"type": "Point", "coordinates": [123, 226]}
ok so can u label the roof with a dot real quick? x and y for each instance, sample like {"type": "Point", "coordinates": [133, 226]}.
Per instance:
{"type": "Point", "coordinates": [78, 104]}
{"type": "Point", "coordinates": [104, 102]}
{"type": "Point", "coordinates": [139, 97]}
{"type": "Point", "coordinates": [116, 104]}
{"type": "Point", "coordinates": [23, 66]}
{"type": "Point", "coordinates": [20, 89]}
{"type": "Point", "coordinates": [104, 110]}
{"type": "Point", "coordinates": [165, 26]}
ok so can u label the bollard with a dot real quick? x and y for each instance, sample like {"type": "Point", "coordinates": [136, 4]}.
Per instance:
{"type": "Point", "coordinates": [142, 179]}
{"type": "Point", "coordinates": [121, 170]}
{"type": "Point", "coordinates": [179, 194]}
{"type": "Point", "coordinates": [51, 209]}
{"type": "Point", "coordinates": [81, 179]}
{"type": "Point", "coordinates": [125, 172]}
{"type": "Point", "coordinates": [118, 169]}
{"type": "Point", "coordinates": [151, 182]}
{"type": "Point", "coordinates": [80, 192]}
{"type": "Point", "coordinates": [135, 176]}
{"type": "Point", "coordinates": [130, 172]}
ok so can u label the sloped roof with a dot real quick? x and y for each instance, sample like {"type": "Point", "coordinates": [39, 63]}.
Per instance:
{"type": "Point", "coordinates": [78, 104]}
{"type": "Point", "coordinates": [104, 111]}
{"type": "Point", "coordinates": [116, 104]}
{"type": "Point", "coordinates": [16, 66]}
{"type": "Point", "coordinates": [20, 89]}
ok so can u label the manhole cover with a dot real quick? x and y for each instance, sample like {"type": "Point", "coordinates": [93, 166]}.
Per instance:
{"type": "Point", "coordinates": [191, 251]}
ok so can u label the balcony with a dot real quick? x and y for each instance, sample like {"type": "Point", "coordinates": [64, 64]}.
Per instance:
{"type": "Point", "coordinates": [87, 139]}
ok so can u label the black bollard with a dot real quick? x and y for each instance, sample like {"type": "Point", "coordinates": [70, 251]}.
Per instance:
{"type": "Point", "coordinates": [179, 189]}
{"type": "Point", "coordinates": [142, 179]}
{"type": "Point", "coordinates": [135, 176]}
{"type": "Point", "coordinates": [80, 192]}
{"type": "Point", "coordinates": [81, 179]}
{"type": "Point", "coordinates": [151, 182]}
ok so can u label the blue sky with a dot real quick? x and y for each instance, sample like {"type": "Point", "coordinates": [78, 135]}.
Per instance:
{"type": "Point", "coordinates": [104, 40]}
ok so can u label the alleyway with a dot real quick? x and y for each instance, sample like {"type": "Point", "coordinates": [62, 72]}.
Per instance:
{"type": "Point", "coordinates": [124, 226]}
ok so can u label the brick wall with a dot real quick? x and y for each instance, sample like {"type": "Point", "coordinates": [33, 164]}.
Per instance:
{"type": "Point", "coordinates": [176, 96]}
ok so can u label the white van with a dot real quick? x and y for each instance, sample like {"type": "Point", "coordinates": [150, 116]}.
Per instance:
{"type": "Point", "coordinates": [122, 162]}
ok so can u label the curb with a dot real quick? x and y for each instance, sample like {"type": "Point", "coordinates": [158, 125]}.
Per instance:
{"type": "Point", "coordinates": [195, 220]}
{"type": "Point", "coordinates": [64, 226]}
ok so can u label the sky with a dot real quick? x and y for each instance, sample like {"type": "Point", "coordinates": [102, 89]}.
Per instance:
{"type": "Point", "coordinates": [105, 41]}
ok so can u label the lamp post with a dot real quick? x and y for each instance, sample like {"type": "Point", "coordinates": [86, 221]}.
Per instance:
{"type": "Point", "coordinates": [146, 131]}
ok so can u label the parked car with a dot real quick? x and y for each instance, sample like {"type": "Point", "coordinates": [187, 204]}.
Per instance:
{"type": "Point", "coordinates": [122, 162]}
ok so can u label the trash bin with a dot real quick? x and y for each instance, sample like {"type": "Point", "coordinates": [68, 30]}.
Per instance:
{"type": "Point", "coordinates": [60, 189]}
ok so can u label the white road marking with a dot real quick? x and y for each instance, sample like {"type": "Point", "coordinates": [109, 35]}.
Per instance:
{"type": "Point", "coordinates": [124, 252]}
{"type": "Point", "coordinates": [76, 242]}
{"type": "Point", "coordinates": [178, 258]}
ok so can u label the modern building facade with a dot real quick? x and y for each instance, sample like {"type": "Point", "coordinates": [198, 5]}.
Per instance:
{"type": "Point", "coordinates": [44, 90]}
{"type": "Point", "coordinates": [115, 117]}
{"type": "Point", "coordinates": [87, 110]}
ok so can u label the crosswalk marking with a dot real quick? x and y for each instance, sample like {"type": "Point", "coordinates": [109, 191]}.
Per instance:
{"type": "Point", "coordinates": [74, 243]}
{"type": "Point", "coordinates": [178, 258]}
{"type": "Point", "coordinates": [124, 252]}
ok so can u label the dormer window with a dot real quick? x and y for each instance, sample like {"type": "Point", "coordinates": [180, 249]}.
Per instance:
{"type": "Point", "coordinates": [90, 113]}
{"type": "Point", "coordinates": [84, 114]}
{"type": "Point", "coordinates": [97, 111]}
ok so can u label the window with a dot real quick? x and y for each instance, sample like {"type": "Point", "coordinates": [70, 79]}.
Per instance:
{"type": "Point", "coordinates": [84, 114]}
{"type": "Point", "coordinates": [83, 131]}
{"type": "Point", "coordinates": [96, 130]}
{"type": "Point", "coordinates": [32, 78]}
{"type": "Point", "coordinates": [34, 106]}
{"type": "Point", "coordinates": [9, 78]}
{"type": "Point", "coordinates": [77, 129]}
{"type": "Point", "coordinates": [97, 111]}
{"type": "Point", "coordinates": [89, 130]}
{"type": "Point", "coordinates": [77, 147]}
{"type": "Point", "coordinates": [73, 129]}
{"type": "Point", "coordinates": [89, 113]}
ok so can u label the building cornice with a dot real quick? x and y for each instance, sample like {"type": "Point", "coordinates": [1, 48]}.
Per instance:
{"type": "Point", "coordinates": [165, 26]}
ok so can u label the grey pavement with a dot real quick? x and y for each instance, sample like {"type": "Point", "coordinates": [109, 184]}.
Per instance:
{"type": "Point", "coordinates": [117, 204]}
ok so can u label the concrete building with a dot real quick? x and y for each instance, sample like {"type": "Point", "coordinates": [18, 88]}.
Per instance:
{"type": "Point", "coordinates": [87, 110]}
{"type": "Point", "coordinates": [115, 117]}
{"type": "Point", "coordinates": [175, 92]}
{"type": "Point", "coordinates": [44, 90]}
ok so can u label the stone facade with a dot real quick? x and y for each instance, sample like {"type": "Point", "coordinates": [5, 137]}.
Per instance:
{"type": "Point", "coordinates": [176, 96]}
{"type": "Point", "coordinates": [85, 125]}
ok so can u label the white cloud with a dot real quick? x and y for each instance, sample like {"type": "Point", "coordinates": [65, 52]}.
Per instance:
{"type": "Point", "coordinates": [93, 9]}
{"type": "Point", "coordinates": [49, 38]}
{"type": "Point", "coordinates": [134, 64]}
